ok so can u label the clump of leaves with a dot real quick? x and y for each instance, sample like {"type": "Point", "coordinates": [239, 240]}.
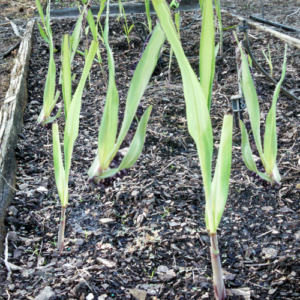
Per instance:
{"type": "Point", "coordinates": [267, 152]}
{"type": "Point", "coordinates": [108, 141]}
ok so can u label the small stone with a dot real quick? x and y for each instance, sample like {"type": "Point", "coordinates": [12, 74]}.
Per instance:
{"type": "Point", "coordinates": [169, 275]}
{"type": "Point", "coordinates": [107, 263]}
{"type": "Point", "coordinates": [46, 294]}
{"type": "Point", "coordinates": [135, 193]}
{"type": "Point", "coordinates": [162, 269]}
{"type": "Point", "coordinates": [285, 209]}
{"type": "Point", "coordinates": [174, 224]}
{"type": "Point", "coordinates": [102, 297]}
{"type": "Point", "coordinates": [297, 235]}
{"type": "Point", "coordinates": [272, 291]}
{"type": "Point", "coordinates": [106, 220]}
{"type": "Point", "coordinates": [105, 286]}
{"type": "Point", "coordinates": [12, 236]}
{"type": "Point", "coordinates": [138, 294]}
{"type": "Point", "coordinates": [23, 186]}
{"type": "Point", "coordinates": [12, 210]}
{"type": "Point", "coordinates": [269, 252]}
{"type": "Point", "coordinates": [41, 189]}
{"type": "Point", "coordinates": [90, 296]}
{"type": "Point", "coordinates": [79, 242]}
{"type": "Point", "coordinates": [173, 246]}
{"type": "Point", "coordinates": [267, 208]}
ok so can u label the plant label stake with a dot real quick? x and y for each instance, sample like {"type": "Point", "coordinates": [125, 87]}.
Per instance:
{"type": "Point", "coordinates": [238, 106]}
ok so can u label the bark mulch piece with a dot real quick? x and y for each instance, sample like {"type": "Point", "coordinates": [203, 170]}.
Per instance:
{"type": "Point", "coordinates": [145, 234]}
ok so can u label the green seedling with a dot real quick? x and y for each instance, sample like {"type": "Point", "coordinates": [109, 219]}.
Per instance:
{"type": "Point", "coordinates": [108, 142]}
{"type": "Point", "coordinates": [198, 98]}
{"type": "Point", "coordinates": [94, 28]}
{"type": "Point", "coordinates": [269, 60]}
{"type": "Point", "coordinates": [267, 154]}
{"type": "Point", "coordinates": [147, 7]}
{"type": "Point", "coordinates": [218, 11]}
{"type": "Point", "coordinates": [70, 133]}
{"type": "Point", "coordinates": [127, 29]}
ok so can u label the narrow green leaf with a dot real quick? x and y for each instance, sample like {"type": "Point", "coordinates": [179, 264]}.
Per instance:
{"type": "Point", "coordinates": [199, 124]}
{"type": "Point", "coordinates": [76, 36]}
{"type": "Point", "coordinates": [40, 10]}
{"type": "Point", "coordinates": [130, 28]}
{"type": "Point", "coordinates": [49, 90]}
{"type": "Point", "coordinates": [270, 138]}
{"type": "Point", "coordinates": [52, 119]}
{"type": "Point", "coordinates": [207, 51]}
{"type": "Point", "coordinates": [58, 164]}
{"type": "Point", "coordinates": [137, 143]}
{"type": "Point", "coordinates": [252, 103]}
{"type": "Point", "coordinates": [247, 154]}
{"type": "Point", "coordinates": [109, 123]}
{"type": "Point", "coordinates": [147, 6]}
{"type": "Point", "coordinates": [66, 82]}
{"type": "Point", "coordinates": [138, 85]}
{"type": "Point", "coordinates": [220, 184]}
{"type": "Point", "coordinates": [72, 124]}
{"type": "Point", "coordinates": [135, 147]}
{"type": "Point", "coordinates": [218, 10]}
{"type": "Point", "coordinates": [43, 34]}
{"type": "Point", "coordinates": [92, 25]}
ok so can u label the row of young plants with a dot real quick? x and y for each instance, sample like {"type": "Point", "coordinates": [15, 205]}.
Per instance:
{"type": "Point", "coordinates": [198, 97]}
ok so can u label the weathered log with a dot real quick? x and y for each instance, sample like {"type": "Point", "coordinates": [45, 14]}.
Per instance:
{"type": "Point", "coordinates": [11, 121]}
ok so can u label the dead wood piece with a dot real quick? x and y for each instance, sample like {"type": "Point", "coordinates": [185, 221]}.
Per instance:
{"type": "Point", "coordinates": [11, 118]}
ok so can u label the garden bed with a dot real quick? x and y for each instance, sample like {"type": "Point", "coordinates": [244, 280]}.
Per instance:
{"type": "Point", "coordinates": [146, 232]}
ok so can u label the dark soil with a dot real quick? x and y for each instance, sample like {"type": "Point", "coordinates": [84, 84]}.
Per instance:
{"type": "Point", "coordinates": [8, 39]}
{"type": "Point", "coordinates": [127, 236]}
{"type": "Point", "coordinates": [285, 12]}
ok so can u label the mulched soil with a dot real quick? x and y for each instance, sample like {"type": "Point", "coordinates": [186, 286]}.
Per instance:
{"type": "Point", "coordinates": [285, 12]}
{"type": "Point", "coordinates": [146, 233]}
{"type": "Point", "coordinates": [7, 41]}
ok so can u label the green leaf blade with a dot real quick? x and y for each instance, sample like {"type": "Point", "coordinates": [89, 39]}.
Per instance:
{"type": "Point", "coordinates": [137, 143]}
{"type": "Point", "coordinates": [199, 124]}
{"type": "Point", "coordinates": [207, 51]}
{"type": "Point", "coordinates": [220, 184]}
{"type": "Point", "coordinates": [72, 124]}
{"type": "Point", "coordinates": [58, 164]}
{"type": "Point", "coordinates": [66, 83]}
{"type": "Point", "coordinates": [109, 123]}
{"type": "Point", "coordinates": [139, 84]}
{"type": "Point", "coordinates": [270, 137]}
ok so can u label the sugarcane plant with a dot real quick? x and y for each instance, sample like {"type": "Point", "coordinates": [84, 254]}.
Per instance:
{"type": "Point", "coordinates": [72, 112]}
{"type": "Point", "coordinates": [198, 98]}
{"type": "Point", "coordinates": [267, 152]}
{"type": "Point", "coordinates": [108, 141]}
